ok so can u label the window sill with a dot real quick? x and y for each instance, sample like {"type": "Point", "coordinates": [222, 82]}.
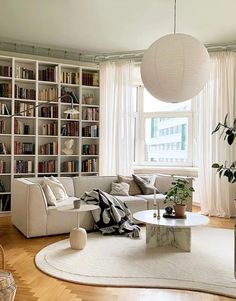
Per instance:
{"type": "Point", "coordinates": [170, 170]}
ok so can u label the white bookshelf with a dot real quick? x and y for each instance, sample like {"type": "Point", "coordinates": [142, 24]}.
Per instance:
{"type": "Point", "coordinates": [34, 142]}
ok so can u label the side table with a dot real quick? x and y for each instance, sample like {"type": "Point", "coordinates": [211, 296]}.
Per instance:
{"type": "Point", "coordinates": [78, 235]}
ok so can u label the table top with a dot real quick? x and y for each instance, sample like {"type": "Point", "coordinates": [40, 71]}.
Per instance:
{"type": "Point", "coordinates": [192, 219]}
{"type": "Point", "coordinates": [84, 207]}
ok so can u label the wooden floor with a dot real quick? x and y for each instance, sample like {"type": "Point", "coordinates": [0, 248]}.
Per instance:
{"type": "Point", "coordinates": [33, 285]}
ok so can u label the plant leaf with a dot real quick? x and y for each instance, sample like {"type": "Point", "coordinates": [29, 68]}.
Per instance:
{"type": "Point", "coordinates": [230, 139]}
{"type": "Point", "coordinates": [215, 165]}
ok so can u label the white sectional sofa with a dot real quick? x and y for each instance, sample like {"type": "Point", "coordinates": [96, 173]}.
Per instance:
{"type": "Point", "coordinates": [33, 217]}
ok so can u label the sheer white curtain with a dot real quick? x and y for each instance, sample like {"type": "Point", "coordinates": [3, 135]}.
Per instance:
{"type": "Point", "coordinates": [214, 102]}
{"type": "Point", "coordinates": [116, 115]}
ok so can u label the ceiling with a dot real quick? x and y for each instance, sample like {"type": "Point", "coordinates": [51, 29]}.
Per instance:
{"type": "Point", "coordinates": [104, 26]}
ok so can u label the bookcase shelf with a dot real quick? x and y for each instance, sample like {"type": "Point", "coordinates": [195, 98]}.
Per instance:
{"type": "Point", "coordinates": [25, 83]}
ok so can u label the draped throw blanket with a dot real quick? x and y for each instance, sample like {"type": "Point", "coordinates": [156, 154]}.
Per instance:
{"type": "Point", "coordinates": [113, 216]}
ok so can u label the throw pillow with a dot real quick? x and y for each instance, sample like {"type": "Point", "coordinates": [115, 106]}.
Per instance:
{"type": "Point", "coordinates": [57, 189]}
{"type": "Point", "coordinates": [133, 187]}
{"type": "Point", "coordinates": [50, 197]}
{"type": "Point", "coordinates": [146, 183]}
{"type": "Point", "coordinates": [119, 188]}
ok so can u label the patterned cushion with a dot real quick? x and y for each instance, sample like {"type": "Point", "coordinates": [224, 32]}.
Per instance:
{"type": "Point", "coordinates": [133, 187]}
{"type": "Point", "coordinates": [121, 188]}
{"type": "Point", "coordinates": [146, 183]}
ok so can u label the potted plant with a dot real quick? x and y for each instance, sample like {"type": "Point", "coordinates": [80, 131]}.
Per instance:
{"type": "Point", "coordinates": [179, 194]}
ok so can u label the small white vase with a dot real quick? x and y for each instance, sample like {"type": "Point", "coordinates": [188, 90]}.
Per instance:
{"type": "Point", "coordinates": [78, 238]}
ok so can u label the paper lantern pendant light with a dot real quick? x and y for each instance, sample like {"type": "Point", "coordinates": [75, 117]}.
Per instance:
{"type": "Point", "coordinates": [175, 68]}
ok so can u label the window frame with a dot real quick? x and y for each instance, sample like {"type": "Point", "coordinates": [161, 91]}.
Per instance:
{"type": "Point", "coordinates": [140, 120]}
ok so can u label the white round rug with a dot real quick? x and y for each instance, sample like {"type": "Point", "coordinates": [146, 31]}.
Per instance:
{"type": "Point", "coordinates": [122, 261]}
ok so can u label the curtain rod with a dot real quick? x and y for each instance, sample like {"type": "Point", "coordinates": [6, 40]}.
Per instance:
{"type": "Point", "coordinates": [92, 57]}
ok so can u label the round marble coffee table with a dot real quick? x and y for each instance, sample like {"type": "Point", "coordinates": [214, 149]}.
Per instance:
{"type": "Point", "coordinates": [170, 231]}
{"type": "Point", "coordinates": [78, 235]}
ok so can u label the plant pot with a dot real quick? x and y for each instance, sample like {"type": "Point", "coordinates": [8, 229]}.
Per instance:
{"type": "Point", "coordinates": [180, 210]}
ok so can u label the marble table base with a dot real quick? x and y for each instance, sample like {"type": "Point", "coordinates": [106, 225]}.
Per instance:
{"type": "Point", "coordinates": [157, 236]}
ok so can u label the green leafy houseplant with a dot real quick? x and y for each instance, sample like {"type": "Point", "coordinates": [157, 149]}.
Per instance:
{"type": "Point", "coordinates": [179, 193]}
{"type": "Point", "coordinates": [229, 133]}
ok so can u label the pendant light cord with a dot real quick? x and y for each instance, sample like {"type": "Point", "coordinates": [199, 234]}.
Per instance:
{"type": "Point", "coordinates": [175, 17]}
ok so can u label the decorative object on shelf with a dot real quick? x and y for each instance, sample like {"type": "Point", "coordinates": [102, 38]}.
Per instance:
{"type": "Point", "coordinates": [68, 144]}
{"type": "Point", "coordinates": [230, 133]}
{"type": "Point", "coordinates": [88, 98]}
{"type": "Point", "coordinates": [179, 193]}
{"type": "Point", "coordinates": [176, 67]}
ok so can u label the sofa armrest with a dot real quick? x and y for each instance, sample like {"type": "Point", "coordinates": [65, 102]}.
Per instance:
{"type": "Point", "coordinates": [29, 207]}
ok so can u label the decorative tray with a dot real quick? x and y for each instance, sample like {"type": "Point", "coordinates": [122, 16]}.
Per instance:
{"type": "Point", "coordinates": [172, 215]}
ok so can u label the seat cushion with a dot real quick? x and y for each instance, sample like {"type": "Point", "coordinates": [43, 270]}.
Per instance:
{"type": "Point", "coordinates": [134, 203]}
{"type": "Point", "coordinates": [150, 200]}
{"type": "Point", "coordinates": [65, 202]}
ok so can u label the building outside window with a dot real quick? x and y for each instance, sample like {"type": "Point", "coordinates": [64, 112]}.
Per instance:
{"type": "Point", "coordinates": [164, 131]}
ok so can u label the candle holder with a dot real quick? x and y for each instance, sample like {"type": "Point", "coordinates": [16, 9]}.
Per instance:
{"type": "Point", "coordinates": [156, 206]}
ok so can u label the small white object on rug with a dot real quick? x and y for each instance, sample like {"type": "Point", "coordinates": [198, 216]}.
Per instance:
{"type": "Point", "coordinates": [121, 261]}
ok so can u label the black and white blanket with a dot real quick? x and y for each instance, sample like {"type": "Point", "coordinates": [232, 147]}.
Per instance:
{"type": "Point", "coordinates": [113, 216]}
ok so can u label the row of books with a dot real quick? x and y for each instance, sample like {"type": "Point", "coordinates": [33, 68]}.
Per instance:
{"type": "Point", "coordinates": [2, 126]}
{"type": "Point", "coordinates": [3, 148]}
{"type": "Point", "coordinates": [50, 112]}
{"type": "Point", "coordinates": [89, 165]}
{"type": "Point", "coordinates": [49, 129]}
{"type": "Point", "coordinates": [70, 166]}
{"type": "Point", "coordinates": [25, 73]}
{"type": "Point", "coordinates": [4, 110]}
{"type": "Point", "coordinates": [48, 94]}
{"type": "Point", "coordinates": [90, 78]}
{"type": "Point", "coordinates": [90, 114]}
{"type": "Point", "coordinates": [70, 77]}
{"type": "Point", "coordinates": [47, 166]}
{"type": "Point", "coordinates": [49, 148]}
{"type": "Point", "coordinates": [70, 129]}
{"type": "Point", "coordinates": [24, 93]}
{"type": "Point", "coordinates": [24, 109]}
{"type": "Point", "coordinates": [21, 166]}
{"type": "Point", "coordinates": [48, 74]}
{"type": "Point", "coordinates": [23, 148]}
{"type": "Point", "coordinates": [5, 202]}
{"type": "Point", "coordinates": [6, 71]}
{"type": "Point", "coordinates": [90, 131]}
{"type": "Point", "coordinates": [21, 128]}
{"type": "Point", "coordinates": [89, 149]}
{"type": "Point", "coordinates": [3, 166]}
{"type": "Point", "coordinates": [5, 90]}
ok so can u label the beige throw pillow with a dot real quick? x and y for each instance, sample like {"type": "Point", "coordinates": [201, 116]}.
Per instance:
{"type": "Point", "coordinates": [133, 187]}
{"type": "Point", "coordinates": [146, 183]}
{"type": "Point", "coordinates": [50, 197]}
{"type": "Point", "coordinates": [119, 188]}
{"type": "Point", "coordinates": [57, 188]}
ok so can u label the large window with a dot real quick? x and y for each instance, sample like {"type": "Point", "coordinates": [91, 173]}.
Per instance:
{"type": "Point", "coordinates": [163, 131]}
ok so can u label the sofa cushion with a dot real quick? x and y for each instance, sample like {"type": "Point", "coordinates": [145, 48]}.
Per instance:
{"type": "Point", "coordinates": [56, 187]}
{"type": "Point", "coordinates": [145, 183]}
{"type": "Point", "coordinates": [68, 201]}
{"type": "Point", "coordinates": [134, 203]}
{"type": "Point", "coordinates": [121, 188]}
{"type": "Point", "coordinates": [50, 197]}
{"type": "Point", "coordinates": [150, 200]}
{"type": "Point", "coordinates": [133, 187]}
